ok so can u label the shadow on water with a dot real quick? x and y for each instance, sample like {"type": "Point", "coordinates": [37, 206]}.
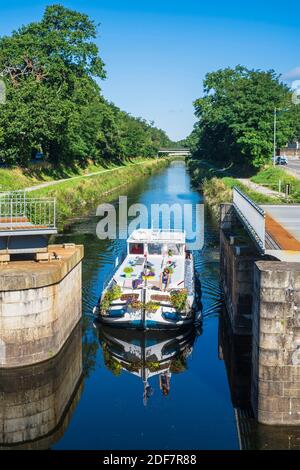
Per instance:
{"type": "Point", "coordinates": [235, 351]}
{"type": "Point", "coordinates": [37, 402]}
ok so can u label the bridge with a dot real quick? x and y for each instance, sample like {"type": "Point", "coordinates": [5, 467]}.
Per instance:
{"type": "Point", "coordinates": [275, 229]}
{"type": "Point", "coordinates": [183, 152]}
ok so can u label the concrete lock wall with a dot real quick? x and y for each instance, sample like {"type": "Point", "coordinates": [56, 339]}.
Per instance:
{"type": "Point", "coordinates": [237, 258]}
{"type": "Point", "coordinates": [40, 304]}
{"type": "Point", "coordinates": [37, 401]}
{"type": "Point", "coordinates": [275, 391]}
{"type": "Point", "coordinates": [263, 300]}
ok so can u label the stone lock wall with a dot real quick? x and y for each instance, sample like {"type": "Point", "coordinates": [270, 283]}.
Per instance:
{"type": "Point", "coordinates": [236, 271]}
{"type": "Point", "coordinates": [37, 401]}
{"type": "Point", "coordinates": [40, 305]}
{"type": "Point", "coordinates": [275, 391]}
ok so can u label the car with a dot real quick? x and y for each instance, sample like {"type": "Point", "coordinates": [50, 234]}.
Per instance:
{"type": "Point", "coordinates": [281, 160]}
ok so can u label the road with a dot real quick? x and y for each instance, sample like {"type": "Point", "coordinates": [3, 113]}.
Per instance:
{"type": "Point", "coordinates": [293, 167]}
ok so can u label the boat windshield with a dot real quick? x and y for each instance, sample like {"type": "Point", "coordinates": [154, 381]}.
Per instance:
{"type": "Point", "coordinates": [154, 248]}
{"type": "Point", "coordinates": [136, 248]}
{"type": "Point", "coordinates": [175, 248]}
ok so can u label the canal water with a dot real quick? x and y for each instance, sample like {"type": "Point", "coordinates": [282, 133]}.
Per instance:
{"type": "Point", "coordinates": [113, 411]}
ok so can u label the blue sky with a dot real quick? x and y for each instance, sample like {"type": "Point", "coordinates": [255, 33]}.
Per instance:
{"type": "Point", "coordinates": [157, 52]}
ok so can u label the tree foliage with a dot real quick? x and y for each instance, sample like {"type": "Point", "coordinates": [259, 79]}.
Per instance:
{"type": "Point", "coordinates": [236, 116]}
{"type": "Point", "coordinates": [54, 104]}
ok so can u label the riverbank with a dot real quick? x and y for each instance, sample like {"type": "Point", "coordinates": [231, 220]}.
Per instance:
{"type": "Point", "coordinates": [41, 174]}
{"type": "Point", "coordinates": [261, 188]}
{"type": "Point", "coordinates": [76, 197]}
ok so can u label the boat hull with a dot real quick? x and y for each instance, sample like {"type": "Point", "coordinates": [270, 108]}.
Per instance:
{"type": "Point", "coordinates": [146, 324]}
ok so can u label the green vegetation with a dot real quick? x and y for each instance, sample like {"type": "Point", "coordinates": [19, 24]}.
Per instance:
{"type": "Point", "coordinates": [110, 295]}
{"type": "Point", "coordinates": [151, 306]}
{"type": "Point", "coordinates": [54, 104]}
{"type": "Point", "coordinates": [276, 178]}
{"type": "Point", "coordinates": [178, 364]}
{"type": "Point", "coordinates": [235, 117]}
{"type": "Point", "coordinates": [77, 197]}
{"type": "Point", "coordinates": [110, 362]}
{"type": "Point", "coordinates": [179, 299]}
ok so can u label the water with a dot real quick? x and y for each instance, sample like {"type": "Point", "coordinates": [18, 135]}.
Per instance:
{"type": "Point", "coordinates": [83, 399]}
{"type": "Point", "coordinates": [111, 413]}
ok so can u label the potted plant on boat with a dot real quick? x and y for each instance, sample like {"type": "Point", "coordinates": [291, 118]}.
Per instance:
{"type": "Point", "coordinates": [115, 292]}
{"type": "Point", "coordinates": [128, 270]}
{"type": "Point", "coordinates": [151, 307]}
{"type": "Point", "coordinates": [179, 299]}
{"type": "Point", "coordinates": [135, 305]}
{"type": "Point", "coordinates": [111, 294]}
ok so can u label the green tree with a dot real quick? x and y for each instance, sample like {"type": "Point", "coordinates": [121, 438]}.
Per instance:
{"type": "Point", "coordinates": [54, 103]}
{"type": "Point", "coordinates": [49, 68]}
{"type": "Point", "coordinates": [235, 116]}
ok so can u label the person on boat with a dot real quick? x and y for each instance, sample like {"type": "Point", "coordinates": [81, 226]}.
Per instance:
{"type": "Point", "coordinates": [165, 279]}
{"type": "Point", "coordinates": [137, 249]}
{"type": "Point", "coordinates": [164, 383]}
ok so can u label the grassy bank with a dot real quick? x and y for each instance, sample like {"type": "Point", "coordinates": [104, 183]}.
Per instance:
{"type": "Point", "coordinates": [77, 197]}
{"type": "Point", "coordinates": [218, 189]}
{"type": "Point", "coordinates": [19, 178]}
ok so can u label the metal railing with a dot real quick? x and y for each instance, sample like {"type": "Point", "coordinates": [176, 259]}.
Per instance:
{"type": "Point", "coordinates": [18, 211]}
{"type": "Point", "coordinates": [252, 217]}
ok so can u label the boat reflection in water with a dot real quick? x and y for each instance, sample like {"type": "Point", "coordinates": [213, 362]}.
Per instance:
{"type": "Point", "coordinates": [38, 401]}
{"type": "Point", "coordinates": [147, 354]}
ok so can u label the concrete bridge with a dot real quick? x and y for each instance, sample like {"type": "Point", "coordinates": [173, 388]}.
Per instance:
{"type": "Point", "coordinates": [260, 276]}
{"type": "Point", "coordinates": [184, 152]}
{"type": "Point", "coordinates": [275, 229]}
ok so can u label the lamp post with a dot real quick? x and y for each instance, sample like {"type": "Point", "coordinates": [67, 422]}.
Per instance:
{"type": "Point", "coordinates": [275, 131]}
{"type": "Point", "coordinates": [274, 139]}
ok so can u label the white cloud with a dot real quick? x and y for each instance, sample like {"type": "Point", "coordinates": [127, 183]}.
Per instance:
{"type": "Point", "coordinates": [293, 74]}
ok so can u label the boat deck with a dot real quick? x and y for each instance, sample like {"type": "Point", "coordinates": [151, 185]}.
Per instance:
{"type": "Point", "coordinates": [157, 263]}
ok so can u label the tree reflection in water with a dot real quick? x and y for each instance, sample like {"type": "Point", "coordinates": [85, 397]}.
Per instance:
{"type": "Point", "coordinates": [37, 401]}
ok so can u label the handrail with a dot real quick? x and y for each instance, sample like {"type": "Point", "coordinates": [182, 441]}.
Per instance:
{"type": "Point", "coordinates": [19, 212]}
{"type": "Point", "coordinates": [252, 216]}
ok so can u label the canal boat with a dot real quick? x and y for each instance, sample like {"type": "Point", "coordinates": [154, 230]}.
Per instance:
{"type": "Point", "coordinates": [147, 354]}
{"type": "Point", "coordinates": [154, 287]}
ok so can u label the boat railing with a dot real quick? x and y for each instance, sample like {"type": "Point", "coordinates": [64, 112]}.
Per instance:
{"type": "Point", "coordinates": [108, 279]}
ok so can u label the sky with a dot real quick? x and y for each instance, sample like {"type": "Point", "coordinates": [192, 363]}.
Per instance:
{"type": "Point", "coordinates": [157, 52]}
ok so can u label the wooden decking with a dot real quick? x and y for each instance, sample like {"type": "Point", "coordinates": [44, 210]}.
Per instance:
{"type": "Point", "coordinates": [280, 235]}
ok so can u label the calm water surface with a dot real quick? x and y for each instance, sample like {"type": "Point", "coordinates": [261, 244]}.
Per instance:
{"type": "Point", "coordinates": [111, 413]}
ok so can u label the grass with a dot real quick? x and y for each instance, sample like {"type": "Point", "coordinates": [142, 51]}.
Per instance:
{"type": "Point", "coordinates": [219, 190]}
{"type": "Point", "coordinates": [20, 178]}
{"type": "Point", "coordinates": [254, 195]}
{"type": "Point", "coordinates": [271, 176]}
{"type": "Point", "coordinates": [77, 197]}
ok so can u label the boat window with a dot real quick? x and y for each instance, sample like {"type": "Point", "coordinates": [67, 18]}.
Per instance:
{"type": "Point", "coordinates": [136, 248]}
{"type": "Point", "coordinates": [154, 248]}
{"type": "Point", "coordinates": [175, 249]}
